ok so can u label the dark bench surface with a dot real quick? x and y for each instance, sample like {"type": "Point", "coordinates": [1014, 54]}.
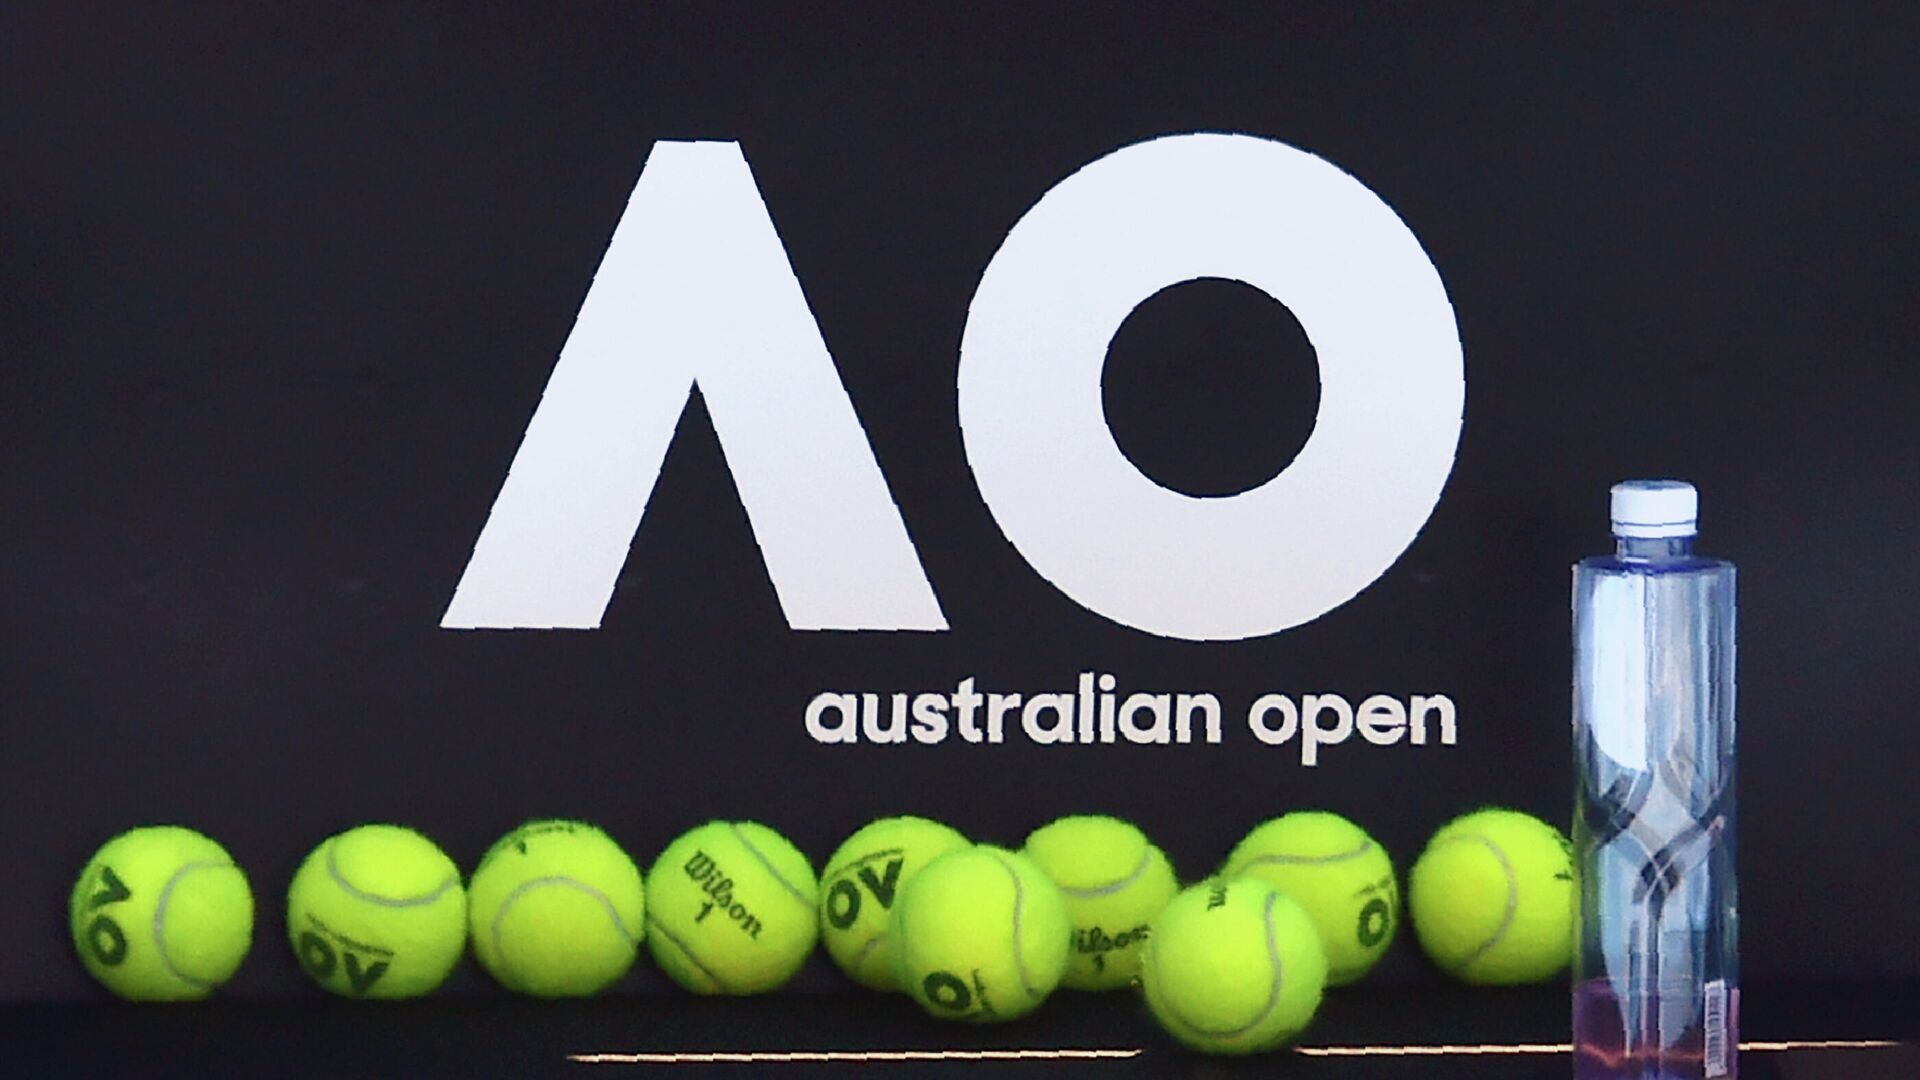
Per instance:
{"type": "Point", "coordinates": [503, 1036]}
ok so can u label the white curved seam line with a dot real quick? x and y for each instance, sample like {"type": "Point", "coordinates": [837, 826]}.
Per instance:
{"type": "Point", "coordinates": [1513, 900]}
{"type": "Point", "coordinates": [333, 871]}
{"type": "Point", "coordinates": [662, 931]}
{"type": "Point", "coordinates": [1282, 859]}
{"type": "Point", "coordinates": [840, 870]}
{"type": "Point", "coordinates": [1273, 988]}
{"type": "Point", "coordinates": [1092, 891]}
{"type": "Point", "coordinates": [160, 920]}
{"type": "Point", "coordinates": [860, 959]}
{"type": "Point", "coordinates": [1019, 904]}
{"type": "Point", "coordinates": [500, 916]}
{"type": "Point", "coordinates": [757, 854]}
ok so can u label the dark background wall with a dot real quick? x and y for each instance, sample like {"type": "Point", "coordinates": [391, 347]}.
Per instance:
{"type": "Point", "coordinates": [279, 291]}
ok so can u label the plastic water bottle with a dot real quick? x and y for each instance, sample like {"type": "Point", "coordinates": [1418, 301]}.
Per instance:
{"type": "Point", "coordinates": [1656, 978]}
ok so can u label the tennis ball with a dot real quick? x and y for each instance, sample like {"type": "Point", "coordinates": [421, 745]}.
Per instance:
{"type": "Point", "coordinates": [1114, 882]}
{"type": "Point", "coordinates": [555, 910]}
{"type": "Point", "coordinates": [1233, 966]}
{"type": "Point", "coordinates": [1493, 897]}
{"type": "Point", "coordinates": [161, 913]}
{"type": "Point", "coordinates": [1334, 870]}
{"type": "Point", "coordinates": [981, 934]}
{"type": "Point", "coordinates": [377, 912]}
{"type": "Point", "coordinates": [858, 888]}
{"type": "Point", "coordinates": [732, 908]}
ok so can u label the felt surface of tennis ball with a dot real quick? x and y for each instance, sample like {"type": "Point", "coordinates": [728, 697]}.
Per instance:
{"type": "Point", "coordinates": [1338, 873]}
{"type": "Point", "coordinates": [1114, 882]}
{"type": "Point", "coordinates": [982, 935]}
{"type": "Point", "coordinates": [860, 884]}
{"type": "Point", "coordinates": [1233, 966]}
{"type": "Point", "coordinates": [377, 912]}
{"type": "Point", "coordinates": [732, 908]}
{"type": "Point", "coordinates": [161, 913]}
{"type": "Point", "coordinates": [556, 909]}
{"type": "Point", "coordinates": [1492, 898]}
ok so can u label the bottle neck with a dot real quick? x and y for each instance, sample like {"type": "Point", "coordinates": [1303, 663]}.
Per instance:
{"type": "Point", "coordinates": [1653, 549]}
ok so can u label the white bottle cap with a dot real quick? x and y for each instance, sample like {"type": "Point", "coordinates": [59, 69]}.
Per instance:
{"type": "Point", "coordinates": [1653, 509]}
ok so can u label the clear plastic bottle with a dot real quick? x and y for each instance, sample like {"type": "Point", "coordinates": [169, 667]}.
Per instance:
{"type": "Point", "coordinates": [1656, 978]}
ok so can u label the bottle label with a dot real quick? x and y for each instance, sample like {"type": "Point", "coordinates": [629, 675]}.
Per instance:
{"type": "Point", "coordinates": [1715, 1013]}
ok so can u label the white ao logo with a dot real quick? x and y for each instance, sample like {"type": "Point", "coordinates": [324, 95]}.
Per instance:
{"type": "Point", "coordinates": [696, 289]}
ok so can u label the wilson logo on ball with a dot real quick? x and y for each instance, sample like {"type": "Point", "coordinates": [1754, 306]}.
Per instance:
{"type": "Point", "coordinates": [715, 883]}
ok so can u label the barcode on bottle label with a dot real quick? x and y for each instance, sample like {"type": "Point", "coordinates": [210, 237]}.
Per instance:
{"type": "Point", "coordinates": [1716, 1028]}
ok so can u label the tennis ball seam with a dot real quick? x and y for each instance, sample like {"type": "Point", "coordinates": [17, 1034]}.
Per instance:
{"type": "Point", "coordinates": [866, 951]}
{"type": "Point", "coordinates": [1273, 986]}
{"type": "Point", "coordinates": [792, 889]}
{"type": "Point", "coordinates": [674, 939]}
{"type": "Point", "coordinates": [506, 905]}
{"type": "Point", "coordinates": [340, 879]}
{"type": "Point", "coordinates": [836, 871]}
{"type": "Point", "coordinates": [1019, 906]}
{"type": "Point", "coordinates": [1091, 892]}
{"type": "Point", "coordinates": [160, 922]}
{"type": "Point", "coordinates": [1282, 859]}
{"type": "Point", "coordinates": [1513, 898]}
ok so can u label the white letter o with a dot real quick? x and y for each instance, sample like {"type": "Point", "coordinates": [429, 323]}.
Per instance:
{"type": "Point", "coordinates": [1307, 234]}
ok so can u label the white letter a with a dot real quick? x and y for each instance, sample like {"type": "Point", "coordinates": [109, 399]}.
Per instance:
{"type": "Point", "coordinates": [695, 288]}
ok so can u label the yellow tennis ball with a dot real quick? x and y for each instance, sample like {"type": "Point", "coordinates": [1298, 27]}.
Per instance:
{"type": "Point", "coordinates": [982, 935]}
{"type": "Point", "coordinates": [555, 909]}
{"type": "Point", "coordinates": [161, 913]}
{"type": "Point", "coordinates": [1233, 966]}
{"type": "Point", "coordinates": [1114, 882]}
{"type": "Point", "coordinates": [1334, 870]}
{"type": "Point", "coordinates": [732, 908]}
{"type": "Point", "coordinates": [377, 912]}
{"type": "Point", "coordinates": [1493, 897]}
{"type": "Point", "coordinates": [860, 884]}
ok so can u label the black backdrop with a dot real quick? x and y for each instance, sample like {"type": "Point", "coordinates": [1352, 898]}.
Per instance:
{"type": "Point", "coordinates": [280, 290]}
